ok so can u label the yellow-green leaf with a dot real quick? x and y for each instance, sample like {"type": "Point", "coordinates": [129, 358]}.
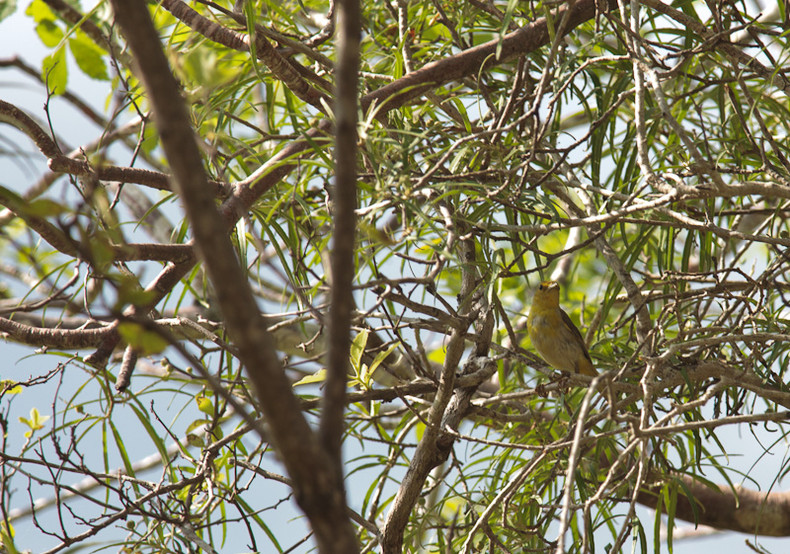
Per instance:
{"type": "Point", "coordinates": [46, 207]}
{"type": "Point", "coordinates": [317, 377]}
{"type": "Point", "coordinates": [205, 405]}
{"type": "Point", "coordinates": [54, 71]}
{"type": "Point", "coordinates": [10, 387]}
{"type": "Point", "coordinates": [144, 341]}
{"type": "Point", "coordinates": [39, 11]}
{"type": "Point", "coordinates": [419, 431]}
{"type": "Point", "coordinates": [195, 440]}
{"type": "Point", "coordinates": [35, 422]}
{"type": "Point", "coordinates": [49, 33]}
{"type": "Point", "coordinates": [7, 538]}
{"type": "Point", "coordinates": [89, 57]}
{"type": "Point", "coordinates": [130, 291]}
{"type": "Point", "coordinates": [357, 349]}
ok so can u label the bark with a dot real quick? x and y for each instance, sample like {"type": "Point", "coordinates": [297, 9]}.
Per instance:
{"type": "Point", "coordinates": [735, 508]}
{"type": "Point", "coordinates": [344, 204]}
{"type": "Point", "coordinates": [317, 484]}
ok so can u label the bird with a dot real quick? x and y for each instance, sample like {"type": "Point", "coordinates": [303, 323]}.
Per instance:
{"type": "Point", "coordinates": [554, 335]}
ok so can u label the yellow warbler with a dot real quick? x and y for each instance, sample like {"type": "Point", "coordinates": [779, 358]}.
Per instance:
{"type": "Point", "coordinates": [554, 335]}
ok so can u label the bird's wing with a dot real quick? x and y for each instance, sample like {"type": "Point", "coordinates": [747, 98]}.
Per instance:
{"type": "Point", "coordinates": [566, 319]}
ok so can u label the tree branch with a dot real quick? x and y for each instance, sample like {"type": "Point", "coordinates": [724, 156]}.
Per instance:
{"type": "Point", "coordinates": [775, 76]}
{"type": "Point", "coordinates": [479, 58]}
{"type": "Point", "coordinates": [67, 339]}
{"type": "Point", "coordinates": [279, 66]}
{"type": "Point", "coordinates": [344, 204]}
{"type": "Point", "coordinates": [721, 506]}
{"type": "Point", "coordinates": [317, 486]}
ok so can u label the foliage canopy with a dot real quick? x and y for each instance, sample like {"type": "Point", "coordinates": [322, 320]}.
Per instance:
{"type": "Point", "coordinates": [636, 152]}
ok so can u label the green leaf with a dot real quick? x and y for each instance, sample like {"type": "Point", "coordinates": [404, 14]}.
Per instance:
{"type": "Point", "coordinates": [144, 417]}
{"type": "Point", "coordinates": [195, 440]}
{"type": "Point", "coordinates": [150, 139]}
{"type": "Point", "coordinates": [89, 57]}
{"type": "Point", "coordinates": [143, 340]}
{"type": "Point", "coordinates": [7, 538]}
{"type": "Point", "coordinates": [198, 424]}
{"type": "Point", "coordinates": [129, 289]}
{"type": "Point", "coordinates": [317, 377]}
{"type": "Point", "coordinates": [49, 33]}
{"type": "Point", "coordinates": [511, 6]}
{"type": "Point", "coordinates": [357, 349]}
{"type": "Point", "coordinates": [7, 8]}
{"type": "Point", "coordinates": [122, 450]}
{"type": "Point", "coordinates": [205, 405]}
{"type": "Point", "coordinates": [371, 371]}
{"type": "Point", "coordinates": [54, 71]}
{"type": "Point", "coordinates": [46, 207]}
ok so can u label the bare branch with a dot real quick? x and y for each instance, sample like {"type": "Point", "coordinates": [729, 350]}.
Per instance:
{"type": "Point", "coordinates": [69, 339]}
{"type": "Point", "coordinates": [282, 68]}
{"type": "Point", "coordinates": [724, 507]}
{"type": "Point", "coordinates": [344, 205]}
{"type": "Point", "coordinates": [318, 487]}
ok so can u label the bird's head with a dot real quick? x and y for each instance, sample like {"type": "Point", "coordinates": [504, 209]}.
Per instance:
{"type": "Point", "coordinates": [547, 295]}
